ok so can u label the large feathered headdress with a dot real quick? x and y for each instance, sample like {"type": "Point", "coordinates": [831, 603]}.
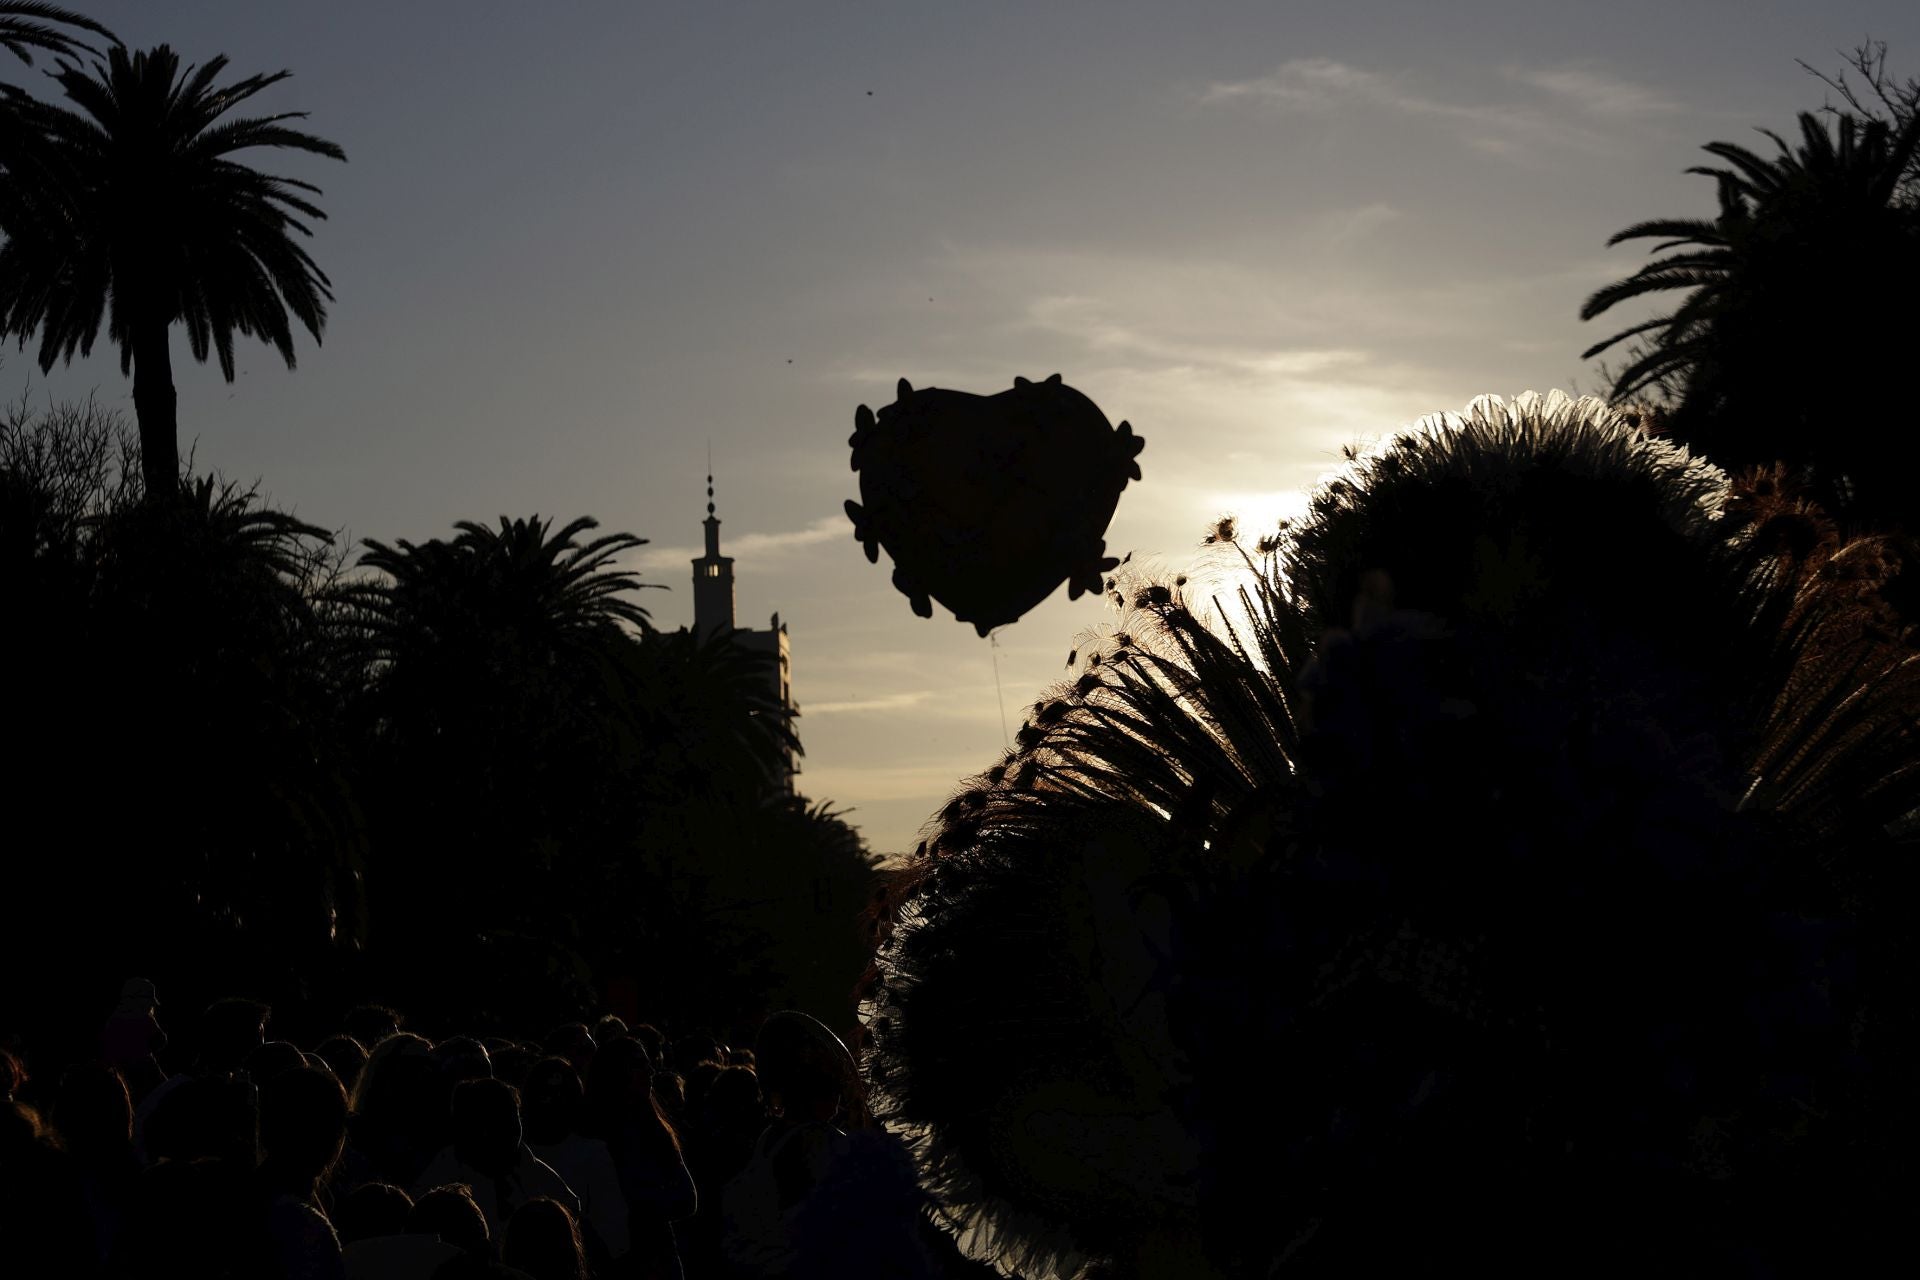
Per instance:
{"type": "Point", "coordinates": [1496, 874]}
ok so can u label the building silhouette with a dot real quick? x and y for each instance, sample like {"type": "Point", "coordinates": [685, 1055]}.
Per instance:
{"type": "Point", "coordinates": [713, 612]}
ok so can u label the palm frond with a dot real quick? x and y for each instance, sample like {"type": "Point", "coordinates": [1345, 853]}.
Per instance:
{"type": "Point", "coordinates": [27, 26]}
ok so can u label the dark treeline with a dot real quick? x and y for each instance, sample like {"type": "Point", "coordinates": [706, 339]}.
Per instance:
{"type": "Point", "coordinates": [466, 773]}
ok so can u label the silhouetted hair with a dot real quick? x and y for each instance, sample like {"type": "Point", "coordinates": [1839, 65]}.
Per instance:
{"type": "Point", "coordinates": [609, 1028]}
{"type": "Point", "coordinates": [345, 1056]}
{"type": "Point", "coordinates": [699, 1080]}
{"type": "Point", "coordinates": [390, 1082]}
{"type": "Point", "coordinates": [230, 1030]}
{"type": "Point", "coordinates": [735, 1092]}
{"type": "Point", "coordinates": [690, 1051]}
{"type": "Point", "coordinates": [652, 1038]}
{"type": "Point", "coordinates": [372, 1209]}
{"type": "Point", "coordinates": [463, 1058]}
{"type": "Point", "coordinates": [573, 1042]}
{"type": "Point", "coordinates": [371, 1023]}
{"type": "Point", "coordinates": [543, 1240]}
{"type": "Point", "coordinates": [22, 1128]}
{"type": "Point", "coordinates": [303, 1123]}
{"type": "Point", "coordinates": [274, 1058]}
{"type": "Point", "coordinates": [551, 1101]}
{"type": "Point", "coordinates": [621, 1099]}
{"type": "Point", "coordinates": [670, 1092]}
{"type": "Point", "coordinates": [13, 1076]}
{"type": "Point", "coordinates": [451, 1213]}
{"type": "Point", "coordinates": [512, 1062]}
{"type": "Point", "coordinates": [486, 1124]}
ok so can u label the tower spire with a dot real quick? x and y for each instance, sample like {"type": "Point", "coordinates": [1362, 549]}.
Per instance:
{"type": "Point", "coordinates": [712, 573]}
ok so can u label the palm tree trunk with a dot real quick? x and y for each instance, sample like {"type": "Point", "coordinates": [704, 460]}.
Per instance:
{"type": "Point", "coordinates": [156, 405]}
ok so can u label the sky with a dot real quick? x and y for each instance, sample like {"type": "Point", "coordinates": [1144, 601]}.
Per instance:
{"type": "Point", "coordinates": [577, 245]}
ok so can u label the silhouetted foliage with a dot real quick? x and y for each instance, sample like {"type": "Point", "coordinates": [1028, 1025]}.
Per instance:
{"type": "Point", "coordinates": [128, 206]}
{"type": "Point", "coordinates": [28, 27]}
{"type": "Point", "coordinates": [1869, 91]}
{"type": "Point", "coordinates": [579, 783]}
{"type": "Point", "coordinates": [1446, 873]}
{"type": "Point", "coordinates": [170, 717]}
{"type": "Point", "coordinates": [1798, 317]}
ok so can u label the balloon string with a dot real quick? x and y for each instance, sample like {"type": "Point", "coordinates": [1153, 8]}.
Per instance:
{"type": "Point", "coordinates": [993, 644]}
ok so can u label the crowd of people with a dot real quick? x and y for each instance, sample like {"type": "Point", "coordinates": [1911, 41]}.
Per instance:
{"type": "Point", "coordinates": [606, 1151]}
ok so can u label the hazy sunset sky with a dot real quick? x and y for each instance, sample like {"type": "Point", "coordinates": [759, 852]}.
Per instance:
{"type": "Point", "coordinates": [575, 244]}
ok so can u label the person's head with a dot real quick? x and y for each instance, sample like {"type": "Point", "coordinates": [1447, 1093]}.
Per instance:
{"type": "Point", "coordinates": [734, 1097]}
{"type": "Point", "coordinates": [451, 1213]}
{"type": "Point", "coordinates": [622, 1096]}
{"type": "Point", "coordinates": [372, 1209]}
{"type": "Point", "coordinates": [138, 995]}
{"type": "Point", "coordinates": [805, 1070]}
{"type": "Point", "coordinates": [345, 1057]}
{"type": "Point", "coordinates": [654, 1040]}
{"type": "Point", "coordinates": [512, 1062]}
{"type": "Point", "coordinates": [92, 1112]}
{"type": "Point", "coordinates": [699, 1080]}
{"type": "Point", "coordinates": [274, 1058]}
{"type": "Point", "coordinates": [619, 1081]}
{"type": "Point", "coordinates": [550, 1103]}
{"type": "Point", "coordinates": [394, 1085]}
{"type": "Point", "coordinates": [370, 1024]}
{"type": "Point", "coordinates": [230, 1030]}
{"type": "Point", "coordinates": [543, 1240]}
{"type": "Point", "coordinates": [463, 1058]}
{"type": "Point", "coordinates": [609, 1028]}
{"type": "Point", "coordinates": [670, 1092]}
{"type": "Point", "coordinates": [737, 1057]}
{"type": "Point", "coordinates": [486, 1124]}
{"type": "Point", "coordinates": [690, 1051]}
{"type": "Point", "coordinates": [303, 1124]}
{"type": "Point", "coordinates": [573, 1042]}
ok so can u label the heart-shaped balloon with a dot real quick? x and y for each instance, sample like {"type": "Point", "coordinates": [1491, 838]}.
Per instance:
{"type": "Point", "coordinates": [988, 503]}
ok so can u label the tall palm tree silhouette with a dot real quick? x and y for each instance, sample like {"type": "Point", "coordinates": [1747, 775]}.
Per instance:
{"type": "Point", "coordinates": [130, 206]}
{"type": "Point", "coordinates": [27, 26]}
{"type": "Point", "coordinates": [1797, 316]}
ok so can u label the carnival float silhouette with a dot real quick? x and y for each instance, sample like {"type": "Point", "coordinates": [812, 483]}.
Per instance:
{"type": "Point", "coordinates": [1507, 870]}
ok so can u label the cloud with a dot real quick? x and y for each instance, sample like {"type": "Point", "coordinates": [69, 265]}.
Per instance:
{"type": "Point", "coordinates": [1596, 92]}
{"type": "Point", "coordinates": [1574, 97]}
{"type": "Point", "coordinates": [1348, 225]}
{"type": "Point", "coordinates": [912, 701]}
{"type": "Point", "coordinates": [1312, 84]}
{"type": "Point", "coordinates": [754, 548]}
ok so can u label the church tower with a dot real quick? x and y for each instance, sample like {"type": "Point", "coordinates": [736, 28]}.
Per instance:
{"type": "Point", "coordinates": [713, 612]}
{"type": "Point", "coordinates": [712, 579]}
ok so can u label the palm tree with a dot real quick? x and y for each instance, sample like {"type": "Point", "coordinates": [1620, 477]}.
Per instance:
{"type": "Point", "coordinates": [27, 28]}
{"type": "Point", "coordinates": [24, 28]}
{"type": "Point", "coordinates": [1798, 318]}
{"type": "Point", "coordinates": [546, 594]}
{"type": "Point", "coordinates": [492, 673]}
{"type": "Point", "coordinates": [130, 206]}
